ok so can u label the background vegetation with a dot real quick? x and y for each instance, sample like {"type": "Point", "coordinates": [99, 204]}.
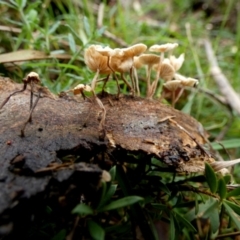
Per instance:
{"type": "Point", "coordinates": [165, 202]}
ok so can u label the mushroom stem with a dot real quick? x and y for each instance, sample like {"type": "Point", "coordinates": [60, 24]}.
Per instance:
{"type": "Point", "coordinates": [101, 127]}
{"type": "Point", "coordinates": [105, 80]}
{"type": "Point", "coordinates": [136, 81]}
{"type": "Point", "coordinates": [31, 100]}
{"type": "Point", "coordinates": [179, 95]}
{"type": "Point", "coordinates": [7, 99]}
{"type": "Point", "coordinates": [173, 98]}
{"type": "Point", "coordinates": [94, 81]}
{"type": "Point", "coordinates": [133, 82]}
{"type": "Point", "coordinates": [149, 68]}
{"type": "Point", "coordinates": [126, 82]}
{"type": "Point", "coordinates": [154, 84]}
{"type": "Point", "coordinates": [30, 114]}
{"type": "Point", "coordinates": [115, 76]}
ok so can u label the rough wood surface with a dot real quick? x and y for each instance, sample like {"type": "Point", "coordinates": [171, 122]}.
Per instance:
{"type": "Point", "coordinates": [133, 125]}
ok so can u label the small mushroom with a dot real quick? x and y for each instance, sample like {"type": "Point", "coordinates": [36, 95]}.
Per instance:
{"type": "Point", "coordinates": [189, 82]}
{"type": "Point", "coordinates": [136, 63]}
{"type": "Point", "coordinates": [121, 60]}
{"type": "Point", "coordinates": [168, 47]}
{"type": "Point", "coordinates": [150, 60]}
{"type": "Point", "coordinates": [180, 82]}
{"type": "Point", "coordinates": [79, 89]}
{"type": "Point", "coordinates": [135, 50]}
{"type": "Point", "coordinates": [163, 47]}
{"type": "Point", "coordinates": [172, 86]}
{"type": "Point", "coordinates": [31, 79]}
{"type": "Point", "coordinates": [166, 71]}
{"type": "Point", "coordinates": [96, 61]}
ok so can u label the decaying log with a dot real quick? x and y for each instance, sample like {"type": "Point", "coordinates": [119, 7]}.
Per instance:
{"type": "Point", "coordinates": [65, 126]}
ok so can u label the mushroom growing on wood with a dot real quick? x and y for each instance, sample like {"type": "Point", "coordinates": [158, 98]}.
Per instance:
{"type": "Point", "coordinates": [168, 47]}
{"type": "Point", "coordinates": [96, 62]}
{"type": "Point", "coordinates": [149, 60]}
{"type": "Point", "coordinates": [31, 79]}
{"type": "Point", "coordinates": [79, 89]}
{"type": "Point", "coordinates": [121, 60]}
{"type": "Point", "coordinates": [182, 82]}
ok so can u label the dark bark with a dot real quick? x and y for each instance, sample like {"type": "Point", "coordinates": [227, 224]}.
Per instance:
{"type": "Point", "coordinates": [63, 127]}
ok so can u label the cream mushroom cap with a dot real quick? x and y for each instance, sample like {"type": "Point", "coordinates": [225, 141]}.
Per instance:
{"type": "Point", "coordinates": [136, 62]}
{"type": "Point", "coordinates": [166, 72]}
{"type": "Point", "coordinates": [149, 59]}
{"type": "Point", "coordinates": [180, 77]}
{"type": "Point", "coordinates": [172, 85]}
{"type": "Point", "coordinates": [105, 51]}
{"type": "Point", "coordinates": [109, 52]}
{"type": "Point", "coordinates": [81, 87]}
{"type": "Point", "coordinates": [163, 47]}
{"type": "Point", "coordinates": [95, 60]}
{"type": "Point", "coordinates": [33, 76]}
{"type": "Point", "coordinates": [190, 82]}
{"type": "Point", "coordinates": [135, 50]}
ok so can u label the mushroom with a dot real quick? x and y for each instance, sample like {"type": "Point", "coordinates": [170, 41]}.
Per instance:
{"type": "Point", "coordinates": [166, 71]}
{"type": "Point", "coordinates": [95, 60]}
{"type": "Point", "coordinates": [168, 47]}
{"type": "Point", "coordinates": [31, 79]}
{"type": "Point", "coordinates": [189, 82]}
{"type": "Point", "coordinates": [172, 86]}
{"type": "Point", "coordinates": [121, 60]}
{"type": "Point", "coordinates": [150, 60]}
{"type": "Point", "coordinates": [79, 89]}
{"type": "Point", "coordinates": [181, 82]}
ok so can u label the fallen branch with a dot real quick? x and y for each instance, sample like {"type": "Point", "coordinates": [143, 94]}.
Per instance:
{"type": "Point", "coordinates": [223, 84]}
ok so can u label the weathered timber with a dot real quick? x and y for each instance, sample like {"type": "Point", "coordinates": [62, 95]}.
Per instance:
{"type": "Point", "coordinates": [63, 126]}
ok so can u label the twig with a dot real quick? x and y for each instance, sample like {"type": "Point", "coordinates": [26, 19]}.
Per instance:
{"type": "Point", "coordinates": [226, 89]}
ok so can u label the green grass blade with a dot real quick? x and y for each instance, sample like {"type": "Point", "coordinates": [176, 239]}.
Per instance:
{"type": "Point", "coordinates": [82, 209]}
{"type": "Point", "coordinates": [96, 231]}
{"type": "Point", "coordinates": [235, 217]}
{"type": "Point", "coordinates": [222, 190]}
{"type": "Point", "coordinates": [234, 193]}
{"type": "Point", "coordinates": [211, 178]}
{"type": "Point", "coordinates": [227, 144]}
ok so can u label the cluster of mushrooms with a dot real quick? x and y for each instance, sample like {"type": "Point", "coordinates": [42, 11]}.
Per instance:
{"type": "Point", "coordinates": [108, 61]}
